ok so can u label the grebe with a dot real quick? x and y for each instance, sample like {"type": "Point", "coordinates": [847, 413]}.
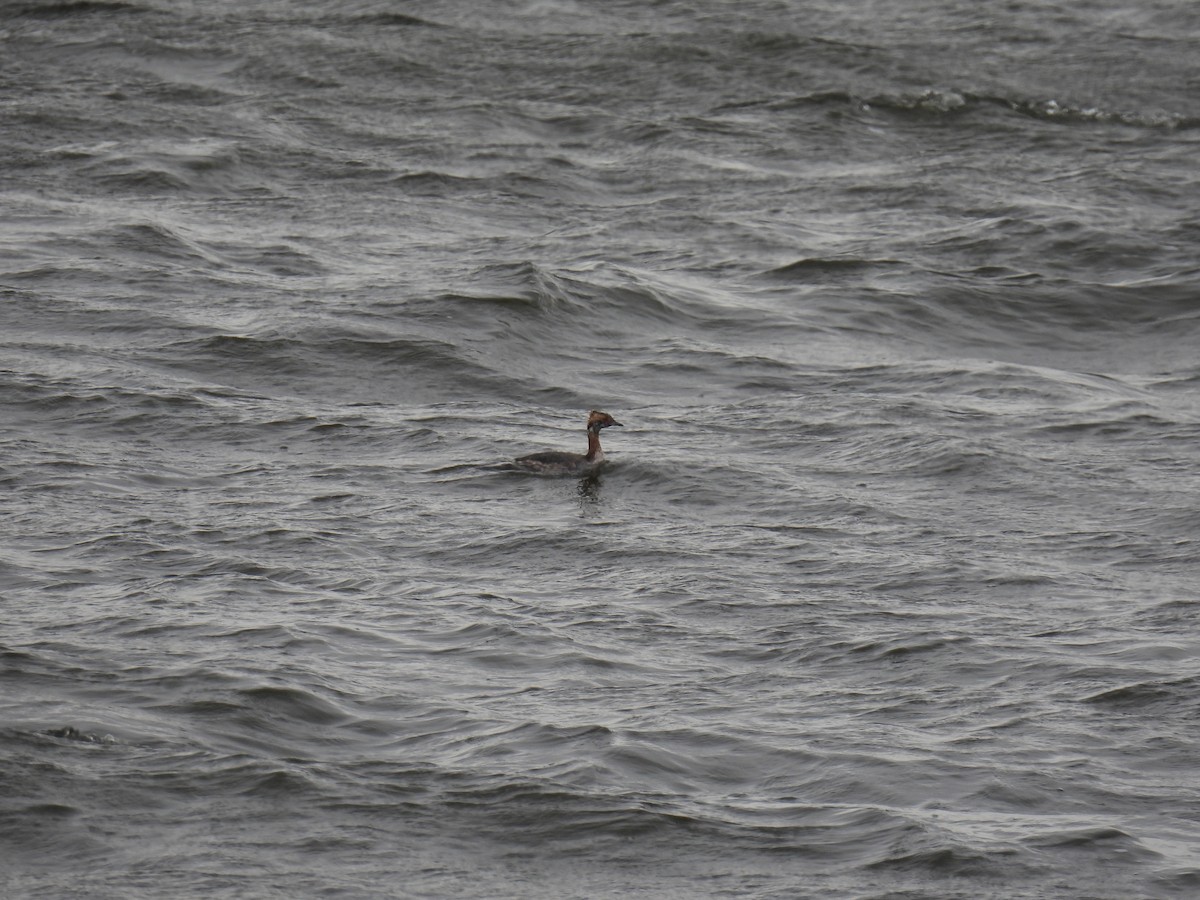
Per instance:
{"type": "Point", "coordinates": [559, 462]}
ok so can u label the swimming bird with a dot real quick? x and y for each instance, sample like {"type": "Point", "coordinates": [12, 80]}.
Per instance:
{"type": "Point", "coordinates": [560, 462]}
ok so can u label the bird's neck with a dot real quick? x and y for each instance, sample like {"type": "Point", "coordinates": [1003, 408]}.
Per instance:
{"type": "Point", "coordinates": [593, 443]}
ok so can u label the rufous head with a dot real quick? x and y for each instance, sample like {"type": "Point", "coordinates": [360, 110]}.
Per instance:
{"type": "Point", "coordinates": [598, 420]}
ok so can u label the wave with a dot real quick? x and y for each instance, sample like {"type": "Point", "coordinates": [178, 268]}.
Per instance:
{"type": "Point", "coordinates": [1174, 698]}
{"type": "Point", "coordinates": [950, 103]}
{"type": "Point", "coordinates": [73, 8]}
{"type": "Point", "coordinates": [199, 165]}
{"type": "Point", "coordinates": [981, 308]}
{"type": "Point", "coordinates": [554, 325]}
{"type": "Point", "coordinates": [819, 269]}
{"type": "Point", "coordinates": [387, 19]}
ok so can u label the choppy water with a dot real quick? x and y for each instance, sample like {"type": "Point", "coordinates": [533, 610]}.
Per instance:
{"type": "Point", "coordinates": [889, 588]}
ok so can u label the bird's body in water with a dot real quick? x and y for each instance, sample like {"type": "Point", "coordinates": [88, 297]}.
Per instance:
{"type": "Point", "coordinates": [560, 462]}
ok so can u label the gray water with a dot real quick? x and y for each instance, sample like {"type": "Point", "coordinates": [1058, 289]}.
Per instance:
{"type": "Point", "coordinates": [887, 588]}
